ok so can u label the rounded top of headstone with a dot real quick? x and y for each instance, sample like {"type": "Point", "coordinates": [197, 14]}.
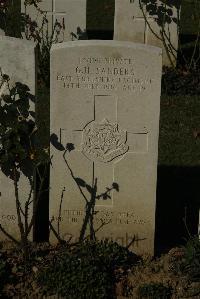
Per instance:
{"type": "Point", "coordinates": [107, 43]}
{"type": "Point", "coordinates": [18, 41]}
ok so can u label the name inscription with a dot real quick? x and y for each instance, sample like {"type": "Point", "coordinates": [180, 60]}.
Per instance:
{"type": "Point", "coordinates": [105, 74]}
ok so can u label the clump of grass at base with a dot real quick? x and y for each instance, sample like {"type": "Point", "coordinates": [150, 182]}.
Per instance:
{"type": "Point", "coordinates": [191, 262]}
{"type": "Point", "coordinates": [4, 272]}
{"type": "Point", "coordinates": [154, 291]}
{"type": "Point", "coordinates": [88, 271]}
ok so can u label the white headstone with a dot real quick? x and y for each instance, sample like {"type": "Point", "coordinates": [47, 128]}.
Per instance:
{"type": "Point", "coordinates": [130, 25]}
{"type": "Point", "coordinates": [71, 13]}
{"type": "Point", "coordinates": [2, 32]}
{"type": "Point", "coordinates": [105, 99]}
{"type": "Point", "coordinates": [17, 59]}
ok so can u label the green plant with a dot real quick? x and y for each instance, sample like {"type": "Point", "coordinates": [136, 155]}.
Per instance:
{"type": "Point", "coordinates": [19, 152]}
{"type": "Point", "coordinates": [90, 270]}
{"type": "Point", "coordinates": [154, 291]}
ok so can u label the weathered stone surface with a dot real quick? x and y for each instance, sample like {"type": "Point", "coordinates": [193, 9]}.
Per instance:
{"type": "Point", "coordinates": [2, 32]}
{"type": "Point", "coordinates": [105, 98]}
{"type": "Point", "coordinates": [17, 59]}
{"type": "Point", "coordinates": [130, 25]}
{"type": "Point", "coordinates": [70, 12]}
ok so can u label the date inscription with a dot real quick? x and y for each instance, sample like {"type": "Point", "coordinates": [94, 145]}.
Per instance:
{"type": "Point", "coordinates": [101, 217]}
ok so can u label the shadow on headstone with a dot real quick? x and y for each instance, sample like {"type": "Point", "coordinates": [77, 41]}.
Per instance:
{"type": "Point", "coordinates": [177, 202]}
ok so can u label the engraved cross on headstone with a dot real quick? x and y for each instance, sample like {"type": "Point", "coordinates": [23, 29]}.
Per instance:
{"type": "Point", "coordinates": [55, 14]}
{"type": "Point", "coordinates": [52, 13]}
{"type": "Point", "coordinates": [105, 142]}
{"type": "Point", "coordinates": [138, 19]}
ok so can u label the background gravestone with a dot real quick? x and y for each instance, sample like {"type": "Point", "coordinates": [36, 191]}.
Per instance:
{"type": "Point", "coordinates": [130, 25]}
{"type": "Point", "coordinates": [17, 59]}
{"type": "Point", "coordinates": [105, 98]}
{"type": "Point", "coordinates": [70, 12]}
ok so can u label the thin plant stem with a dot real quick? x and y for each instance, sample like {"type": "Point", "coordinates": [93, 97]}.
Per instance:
{"type": "Point", "coordinates": [20, 224]}
{"type": "Point", "coordinates": [9, 236]}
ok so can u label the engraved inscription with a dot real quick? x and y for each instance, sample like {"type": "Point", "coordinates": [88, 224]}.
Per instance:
{"type": "Point", "coordinates": [105, 73]}
{"type": "Point", "coordinates": [104, 141]}
{"type": "Point", "coordinates": [8, 217]}
{"type": "Point", "coordinates": [121, 218]}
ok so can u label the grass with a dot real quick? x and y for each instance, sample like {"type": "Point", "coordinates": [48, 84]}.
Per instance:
{"type": "Point", "coordinates": [179, 142]}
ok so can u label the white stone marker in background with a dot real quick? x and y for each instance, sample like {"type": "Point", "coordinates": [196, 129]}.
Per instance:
{"type": "Point", "coordinates": [2, 32]}
{"type": "Point", "coordinates": [71, 12]}
{"type": "Point", "coordinates": [17, 59]}
{"type": "Point", "coordinates": [130, 25]}
{"type": "Point", "coordinates": [105, 99]}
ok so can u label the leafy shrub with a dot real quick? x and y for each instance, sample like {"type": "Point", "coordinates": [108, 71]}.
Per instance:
{"type": "Point", "coordinates": [89, 271]}
{"type": "Point", "coordinates": [154, 291]}
{"type": "Point", "coordinates": [20, 151]}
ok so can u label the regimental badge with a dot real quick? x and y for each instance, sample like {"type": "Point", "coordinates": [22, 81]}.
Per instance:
{"type": "Point", "coordinates": [104, 141]}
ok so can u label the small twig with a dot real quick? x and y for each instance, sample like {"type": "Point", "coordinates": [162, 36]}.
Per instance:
{"type": "Point", "coordinates": [89, 211]}
{"type": "Point", "coordinates": [36, 200]}
{"type": "Point", "coordinates": [27, 208]}
{"type": "Point", "coordinates": [103, 223]}
{"type": "Point", "coordinates": [60, 210]}
{"type": "Point", "coordinates": [134, 240]}
{"type": "Point", "coordinates": [167, 49]}
{"type": "Point", "coordinates": [56, 234]}
{"type": "Point", "coordinates": [20, 224]}
{"type": "Point", "coordinates": [185, 223]}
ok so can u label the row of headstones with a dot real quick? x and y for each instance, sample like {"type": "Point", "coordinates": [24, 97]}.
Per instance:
{"type": "Point", "coordinates": [129, 23]}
